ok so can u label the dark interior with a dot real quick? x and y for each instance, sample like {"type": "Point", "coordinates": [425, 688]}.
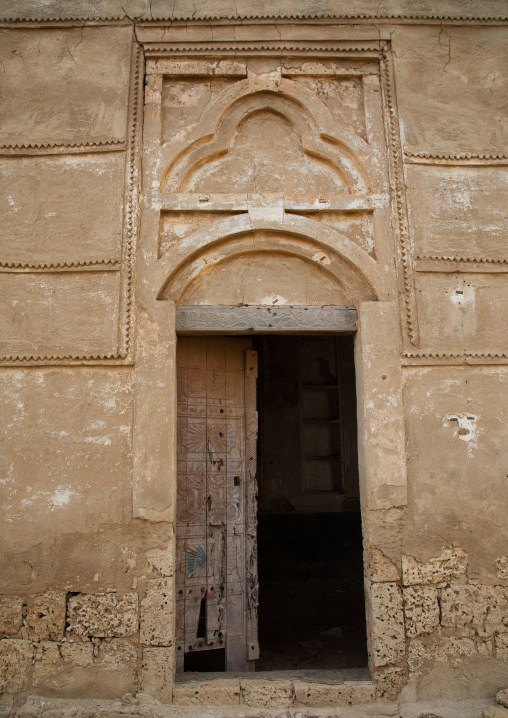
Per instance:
{"type": "Point", "coordinates": [312, 609]}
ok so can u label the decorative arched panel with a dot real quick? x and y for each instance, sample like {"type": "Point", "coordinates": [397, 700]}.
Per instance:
{"type": "Point", "coordinates": [341, 261]}
{"type": "Point", "coordinates": [286, 138]}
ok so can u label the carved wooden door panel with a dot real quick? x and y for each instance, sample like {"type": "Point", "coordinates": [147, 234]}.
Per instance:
{"type": "Point", "coordinates": [216, 566]}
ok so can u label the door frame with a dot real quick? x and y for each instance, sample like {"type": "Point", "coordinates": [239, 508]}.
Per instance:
{"type": "Point", "coordinates": [381, 452]}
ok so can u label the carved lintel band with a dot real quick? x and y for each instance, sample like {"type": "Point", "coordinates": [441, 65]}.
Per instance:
{"type": "Point", "coordinates": [261, 319]}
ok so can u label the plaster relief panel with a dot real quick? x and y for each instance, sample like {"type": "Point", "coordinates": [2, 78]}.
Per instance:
{"type": "Point", "coordinates": [295, 147]}
{"type": "Point", "coordinates": [357, 226]}
{"type": "Point", "coordinates": [450, 488]}
{"type": "Point", "coordinates": [57, 88]}
{"type": "Point", "coordinates": [62, 457]}
{"type": "Point", "coordinates": [458, 211]}
{"type": "Point", "coordinates": [175, 225]}
{"type": "Point", "coordinates": [185, 99]}
{"type": "Point", "coordinates": [59, 314]}
{"type": "Point", "coordinates": [265, 154]}
{"type": "Point", "coordinates": [343, 96]}
{"type": "Point", "coordinates": [266, 279]}
{"type": "Point", "coordinates": [457, 67]}
{"type": "Point", "coordinates": [460, 312]}
{"type": "Point", "coordinates": [61, 209]}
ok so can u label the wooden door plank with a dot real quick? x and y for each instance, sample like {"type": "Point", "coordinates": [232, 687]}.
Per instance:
{"type": "Point", "coordinates": [251, 489]}
{"type": "Point", "coordinates": [214, 525]}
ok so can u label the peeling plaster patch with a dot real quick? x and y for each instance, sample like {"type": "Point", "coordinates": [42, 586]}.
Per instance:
{"type": "Point", "coordinates": [467, 426]}
{"type": "Point", "coordinates": [451, 564]}
{"type": "Point", "coordinates": [459, 194]}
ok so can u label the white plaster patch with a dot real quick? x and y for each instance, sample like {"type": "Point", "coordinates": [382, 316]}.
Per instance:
{"type": "Point", "coordinates": [467, 429]}
{"type": "Point", "coordinates": [321, 258]}
{"type": "Point", "coordinates": [459, 195]}
{"type": "Point", "coordinates": [104, 440]}
{"type": "Point", "coordinates": [266, 214]}
{"type": "Point", "coordinates": [463, 295]}
{"type": "Point", "coordinates": [273, 300]}
{"type": "Point", "coordinates": [26, 503]}
{"type": "Point", "coordinates": [61, 497]}
{"type": "Point", "coordinates": [97, 424]}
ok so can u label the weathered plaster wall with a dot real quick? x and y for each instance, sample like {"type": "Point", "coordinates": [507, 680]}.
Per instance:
{"type": "Point", "coordinates": [73, 559]}
{"type": "Point", "coordinates": [87, 425]}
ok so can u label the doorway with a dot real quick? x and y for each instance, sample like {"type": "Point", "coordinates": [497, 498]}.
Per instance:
{"type": "Point", "coordinates": [308, 539]}
{"type": "Point", "coordinates": [310, 557]}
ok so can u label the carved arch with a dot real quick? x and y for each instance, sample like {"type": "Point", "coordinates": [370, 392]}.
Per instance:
{"type": "Point", "coordinates": [307, 239]}
{"type": "Point", "coordinates": [317, 141]}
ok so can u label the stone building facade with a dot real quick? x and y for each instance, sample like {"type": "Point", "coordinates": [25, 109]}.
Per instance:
{"type": "Point", "coordinates": [176, 185]}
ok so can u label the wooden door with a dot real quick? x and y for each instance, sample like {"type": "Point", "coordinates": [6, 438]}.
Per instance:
{"type": "Point", "coordinates": [216, 566]}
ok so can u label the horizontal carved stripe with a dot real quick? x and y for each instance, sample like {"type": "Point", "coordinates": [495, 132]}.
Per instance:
{"type": "Point", "coordinates": [260, 319]}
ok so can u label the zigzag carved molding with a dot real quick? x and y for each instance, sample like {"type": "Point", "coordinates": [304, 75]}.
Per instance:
{"type": "Point", "coordinates": [58, 358]}
{"type": "Point", "coordinates": [264, 47]}
{"type": "Point", "coordinates": [399, 200]}
{"type": "Point", "coordinates": [100, 265]}
{"type": "Point", "coordinates": [461, 158]}
{"type": "Point", "coordinates": [465, 260]}
{"type": "Point", "coordinates": [272, 17]}
{"type": "Point", "coordinates": [131, 207]}
{"type": "Point", "coordinates": [53, 148]}
{"type": "Point", "coordinates": [456, 355]}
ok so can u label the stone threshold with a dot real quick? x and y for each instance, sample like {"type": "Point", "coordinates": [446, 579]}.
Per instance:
{"type": "Point", "coordinates": [276, 689]}
{"type": "Point", "coordinates": [319, 675]}
{"type": "Point", "coordinates": [145, 706]}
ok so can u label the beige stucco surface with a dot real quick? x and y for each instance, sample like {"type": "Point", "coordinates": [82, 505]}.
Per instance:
{"type": "Point", "coordinates": [351, 161]}
{"type": "Point", "coordinates": [457, 104]}
{"type": "Point", "coordinates": [62, 209]}
{"type": "Point", "coordinates": [444, 485]}
{"type": "Point", "coordinates": [58, 87]}
{"type": "Point", "coordinates": [64, 447]}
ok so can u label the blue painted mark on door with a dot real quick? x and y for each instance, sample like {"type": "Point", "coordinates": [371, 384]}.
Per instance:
{"type": "Point", "coordinates": [196, 558]}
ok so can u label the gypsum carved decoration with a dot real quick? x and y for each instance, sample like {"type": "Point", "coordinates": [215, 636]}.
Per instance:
{"type": "Point", "coordinates": [238, 320]}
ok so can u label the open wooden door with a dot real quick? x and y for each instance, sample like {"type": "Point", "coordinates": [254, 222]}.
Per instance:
{"type": "Point", "coordinates": [216, 566]}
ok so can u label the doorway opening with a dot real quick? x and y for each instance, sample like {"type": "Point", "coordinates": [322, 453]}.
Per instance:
{"type": "Point", "coordinates": [308, 540]}
{"type": "Point", "coordinates": [311, 611]}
